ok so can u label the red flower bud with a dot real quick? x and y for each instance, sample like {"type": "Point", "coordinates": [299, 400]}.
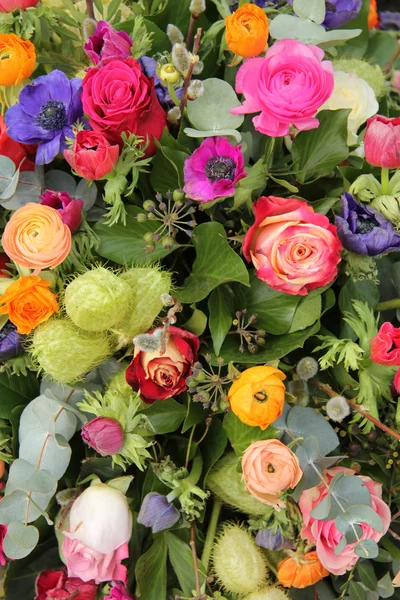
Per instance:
{"type": "Point", "coordinates": [103, 435]}
{"type": "Point", "coordinates": [382, 142]}
{"type": "Point", "coordinates": [92, 156]}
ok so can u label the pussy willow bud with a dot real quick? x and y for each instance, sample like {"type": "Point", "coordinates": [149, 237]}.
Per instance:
{"type": "Point", "coordinates": [337, 409]}
{"type": "Point", "coordinates": [174, 34]}
{"type": "Point", "coordinates": [197, 7]}
{"type": "Point", "coordinates": [307, 368]}
{"type": "Point", "coordinates": [195, 89]}
{"type": "Point", "coordinates": [167, 299]}
{"type": "Point", "coordinates": [88, 28]}
{"type": "Point", "coordinates": [174, 115]}
{"type": "Point", "coordinates": [198, 67]}
{"type": "Point", "coordinates": [180, 58]}
{"type": "Point", "coordinates": [148, 342]}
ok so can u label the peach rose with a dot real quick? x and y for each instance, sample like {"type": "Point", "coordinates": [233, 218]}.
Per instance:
{"type": "Point", "coordinates": [28, 302]}
{"type": "Point", "coordinates": [35, 237]}
{"type": "Point", "coordinates": [294, 249]}
{"type": "Point", "coordinates": [269, 468]}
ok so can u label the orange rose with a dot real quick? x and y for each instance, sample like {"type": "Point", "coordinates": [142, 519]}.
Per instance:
{"type": "Point", "coordinates": [18, 59]}
{"type": "Point", "coordinates": [35, 237]}
{"type": "Point", "coordinates": [301, 571]}
{"type": "Point", "coordinates": [247, 31]}
{"type": "Point", "coordinates": [258, 396]}
{"type": "Point", "coordinates": [269, 467]}
{"type": "Point", "coordinates": [373, 17]}
{"type": "Point", "coordinates": [28, 302]}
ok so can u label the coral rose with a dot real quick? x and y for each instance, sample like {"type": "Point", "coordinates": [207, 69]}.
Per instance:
{"type": "Point", "coordinates": [326, 536]}
{"type": "Point", "coordinates": [269, 468]}
{"type": "Point", "coordinates": [28, 302]}
{"type": "Point", "coordinates": [385, 347]}
{"type": "Point", "coordinates": [36, 237]}
{"type": "Point", "coordinates": [294, 249]}
{"type": "Point", "coordinates": [247, 30]}
{"type": "Point", "coordinates": [18, 59]}
{"type": "Point", "coordinates": [258, 395]}
{"type": "Point", "coordinates": [89, 564]}
{"type": "Point", "coordinates": [287, 87]}
{"type": "Point", "coordinates": [158, 376]}
{"type": "Point", "coordinates": [301, 571]}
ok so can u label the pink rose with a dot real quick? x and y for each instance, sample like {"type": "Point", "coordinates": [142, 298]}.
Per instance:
{"type": "Point", "coordinates": [88, 564]}
{"type": "Point", "coordinates": [287, 87]}
{"type": "Point", "coordinates": [294, 249]}
{"type": "Point", "coordinates": [269, 468]}
{"type": "Point", "coordinates": [324, 534]}
{"type": "Point", "coordinates": [396, 382]}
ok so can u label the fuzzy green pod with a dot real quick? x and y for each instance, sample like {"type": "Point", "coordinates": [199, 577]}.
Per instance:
{"type": "Point", "coordinates": [237, 561]}
{"type": "Point", "coordinates": [268, 593]}
{"type": "Point", "coordinates": [226, 482]}
{"type": "Point", "coordinates": [65, 352]}
{"type": "Point", "coordinates": [372, 74]}
{"type": "Point", "coordinates": [146, 285]}
{"type": "Point", "coordinates": [96, 300]}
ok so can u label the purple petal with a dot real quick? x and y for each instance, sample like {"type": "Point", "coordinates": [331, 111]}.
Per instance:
{"type": "Point", "coordinates": [47, 151]}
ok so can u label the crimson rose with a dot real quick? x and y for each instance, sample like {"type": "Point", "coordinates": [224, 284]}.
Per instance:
{"type": "Point", "coordinates": [159, 376]}
{"type": "Point", "coordinates": [118, 97]}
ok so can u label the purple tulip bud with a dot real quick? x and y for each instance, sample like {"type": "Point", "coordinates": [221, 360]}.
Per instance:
{"type": "Point", "coordinates": [103, 435]}
{"type": "Point", "coordinates": [10, 342]}
{"type": "Point", "coordinates": [272, 541]}
{"type": "Point", "coordinates": [156, 512]}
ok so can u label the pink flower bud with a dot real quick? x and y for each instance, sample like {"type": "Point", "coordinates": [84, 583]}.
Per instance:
{"type": "Point", "coordinates": [103, 435]}
{"type": "Point", "coordinates": [382, 142]}
{"type": "Point", "coordinates": [92, 156]}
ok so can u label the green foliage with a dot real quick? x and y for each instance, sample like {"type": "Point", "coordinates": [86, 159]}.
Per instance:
{"type": "Point", "coordinates": [241, 435]}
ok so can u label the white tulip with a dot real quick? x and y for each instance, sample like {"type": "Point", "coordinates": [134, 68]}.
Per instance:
{"type": "Point", "coordinates": [100, 518]}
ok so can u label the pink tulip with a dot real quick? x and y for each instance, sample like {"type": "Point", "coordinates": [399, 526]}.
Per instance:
{"type": "Point", "coordinates": [10, 5]}
{"type": "Point", "coordinates": [382, 142]}
{"type": "Point", "coordinates": [104, 435]}
{"type": "Point", "coordinates": [92, 156]}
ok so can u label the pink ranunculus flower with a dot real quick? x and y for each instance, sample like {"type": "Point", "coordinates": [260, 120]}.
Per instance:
{"type": "Point", "coordinates": [287, 87]}
{"type": "Point", "coordinates": [385, 347]}
{"type": "Point", "coordinates": [382, 142]}
{"type": "Point", "coordinates": [326, 536]}
{"type": "Point", "coordinates": [294, 249]}
{"type": "Point", "coordinates": [10, 5]}
{"type": "Point", "coordinates": [88, 564]}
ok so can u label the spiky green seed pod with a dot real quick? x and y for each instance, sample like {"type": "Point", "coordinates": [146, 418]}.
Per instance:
{"type": "Point", "coordinates": [96, 300]}
{"type": "Point", "coordinates": [237, 562]}
{"type": "Point", "coordinates": [226, 483]}
{"type": "Point", "coordinates": [146, 284]}
{"type": "Point", "coordinates": [65, 352]}
{"type": "Point", "coordinates": [372, 74]}
{"type": "Point", "coordinates": [268, 593]}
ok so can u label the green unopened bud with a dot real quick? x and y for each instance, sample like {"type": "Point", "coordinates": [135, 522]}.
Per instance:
{"type": "Point", "coordinates": [268, 593]}
{"type": "Point", "coordinates": [389, 207]}
{"type": "Point", "coordinates": [180, 58]}
{"type": "Point", "coordinates": [178, 195]}
{"type": "Point", "coordinates": [169, 73]}
{"type": "Point", "coordinates": [149, 205]}
{"type": "Point", "coordinates": [372, 74]}
{"type": "Point", "coordinates": [195, 89]}
{"type": "Point", "coordinates": [174, 115]}
{"type": "Point", "coordinates": [197, 7]}
{"type": "Point", "coordinates": [238, 562]}
{"type": "Point", "coordinates": [198, 67]}
{"type": "Point", "coordinates": [168, 242]}
{"type": "Point", "coordinates": [141, 218]}
{"type": "Point", "coordinates": [174, 34]}
{"type": "Point", "coordinates": [88, 28]}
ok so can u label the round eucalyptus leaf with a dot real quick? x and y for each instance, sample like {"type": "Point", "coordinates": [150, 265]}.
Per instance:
{"type": "Point", "coordinates": [229, 133]}
{"type": "Point", "coordinates": [86, 191]}
{"type": "Point", "coordinates": [60, 181]}
{"type": "Point", "coordinates": [44, 415]}
{"type": "Point", "coordinates": [212, 110]}
{"type": "Point", "coordinates": [54, 452]}
{"type": "Point", "coordinates": [20, 540]}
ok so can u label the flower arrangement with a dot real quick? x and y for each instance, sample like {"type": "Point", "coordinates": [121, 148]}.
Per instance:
{"type": "Point", "coordinates": [199, 300]}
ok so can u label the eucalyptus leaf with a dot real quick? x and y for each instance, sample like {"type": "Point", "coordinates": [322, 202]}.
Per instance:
{"type": "Point", "coordinates": [310, 9]}
{"type": "Point", "coordinates": [367, 549]}
{"type": "Point", "coordinates": [212, 110]}
{"type": "Point", "coordinates": [54, 452]}
{"type": "Point", "coordinates": [13, 507]}
{"type": "Point", "coordinates": [357, 514]}
{"type": "Point", "coordinates": [385, 587]}
{"type": "Point", "coordinates": [344, 492]}
{"type": "Point", "coordinates": [45, 415]}
{"type": "Point", "coordinates": [29, 189]}
{"type": "Point", "coordinates": [26, 477]}
{"type": "Point", "coordinates": [87, 192]}
{"type": "Point", "coordinates": [20, 540]}
{"type": "Point", "coordinates": [303, 422]}
{"type": "Point", "coordinates": [60, 181]}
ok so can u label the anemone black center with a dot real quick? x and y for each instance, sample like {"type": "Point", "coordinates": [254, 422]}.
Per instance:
{"type": "Point", "coordinates": [52, 115]}
{"type": "Point", "coordinates": [365, 226]}
{"type": "Point", "coordinates": [220, 167]}
{"type": "Point", "coordinates": [330, 6]}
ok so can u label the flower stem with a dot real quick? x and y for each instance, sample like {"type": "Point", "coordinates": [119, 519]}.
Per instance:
{"type": "Point", "coordinates": [193, 19]}
{"type": "Point", "coordinates": [212, 528]}
{"type": "Point", "coordinates": [385, 182]}
{"type": "Point", "coordinates": [388, 305]}
{"type": "Point", "coordinates": [391, 61]}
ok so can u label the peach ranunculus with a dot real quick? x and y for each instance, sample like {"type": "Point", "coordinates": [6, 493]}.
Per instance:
{"type": "Point", "coordinates": [326, 536]}
{"type": "Point", "coordinates": [258, 395]}
{"type": "Point", "coordinates": [28, 302]}
{"type": "Point", "coordinates": [18, 59]}
{"type": "Point", "coordinates": [269, 468]}
{"type": "Point", "coordinates": [301, 571]}
{"type": "Point", "coordinates": [36, 237]}
{"type": "Point", "coordinates": [247, 31]}
{"type": "Point", "coordinates": [396, 580]}
{"type": "Point", "coordinates": [294, 249]}
{"type": "Point", "coordinates": [89, 564]}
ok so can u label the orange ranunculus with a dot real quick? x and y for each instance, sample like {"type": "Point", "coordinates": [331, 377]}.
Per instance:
{"type": "Point", "coordinates": [373, 17]}
{"type": "Point", "coordinates": [258, 396]}
{"type": "Point", "coordinates": [28, 302]}
{"type": "Point", "coordinates": [247, 30]}
{"type": "Point", "coordinates": [301, 571]}
{"type": "Point", "coordinates": [18, 59]}
{"type": "Point", "coordinates": [36, 237]}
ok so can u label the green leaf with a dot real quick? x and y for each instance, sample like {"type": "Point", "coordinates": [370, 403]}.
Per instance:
{"type": "Point", "coordinates": [215, 263]}
{"type": "Point", "coordinates": [303, 422]}
{"type": "Point", "coordinates": [20, 540]}
{"type": "Point", "coordinates": [356, 592]}
{"type": "Point", "coordinates": [312, 156]}
{"type": "Point", "coordinates": [324, 205]}
{"type": "Point", "coordinates": [167, 171]}
{"type": "Point", "coordinates": [344, 492]}
{"type": "Point", "coordinates": [125, 245]}
{"type": "Point", "coordinates": [308, 311]}
{"type": "Point", "coordinates": [196, 414]}
{"type": "Point", "coordinates": [357, 514]}
{"type": "Point", "coordinates": [367, 549]}
{"type": "Point", "coordinates": [212, 110]}
{"type": "Point", "coordinates": [241, 435]}
{"type": "Point", "coordinates": [366, 573]}
{"type": "Point", "coordinates": [16, 391]}
{"type": "Point", "coordinates": [13, 508]}
{"type": "Point", "coordinates": [310, 9]}
{"type": "Point", "coordinates": [151, 571]}
{"type": "Point", "coordinates": [197, 322]}
{"type": "Point", "coordinates": [220, 307]}
{"type": "Point", "coordinates": [214, 445]}
{"type": "Point", "coordinates": [181, 557]}
{"type": "Point", "coordinates": [26, 477]}
{"type": "Point", "coordinates": [385, 587]}
{"type": "Point", "coordinates": [165, 415]}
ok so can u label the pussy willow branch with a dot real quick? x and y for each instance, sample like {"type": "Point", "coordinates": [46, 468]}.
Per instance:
{"type": "Point", "coordinates": [90, 9]}
{"type": "Point", "coordinates": [330, 392]}
{"type": "Point", "coordinates": [188, 77]}
{"type": "Point", "coordinates": [193, 19]}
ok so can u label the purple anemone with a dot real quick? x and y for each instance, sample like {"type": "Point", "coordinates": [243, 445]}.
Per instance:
{"type": "Point", "coordinates": [45, 113]}
{"type": "Point", "coordinates": [339, 12]}
{"type": "Point", "coordinates": [10, 341]}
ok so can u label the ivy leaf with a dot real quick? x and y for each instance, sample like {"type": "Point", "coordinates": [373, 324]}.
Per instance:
{"type": "Point", "coordinates": [220, 307]}
{"type": "Point", "coordinates": [241, 435]}
{"type": "Point", "coordinates": [165, 415]}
